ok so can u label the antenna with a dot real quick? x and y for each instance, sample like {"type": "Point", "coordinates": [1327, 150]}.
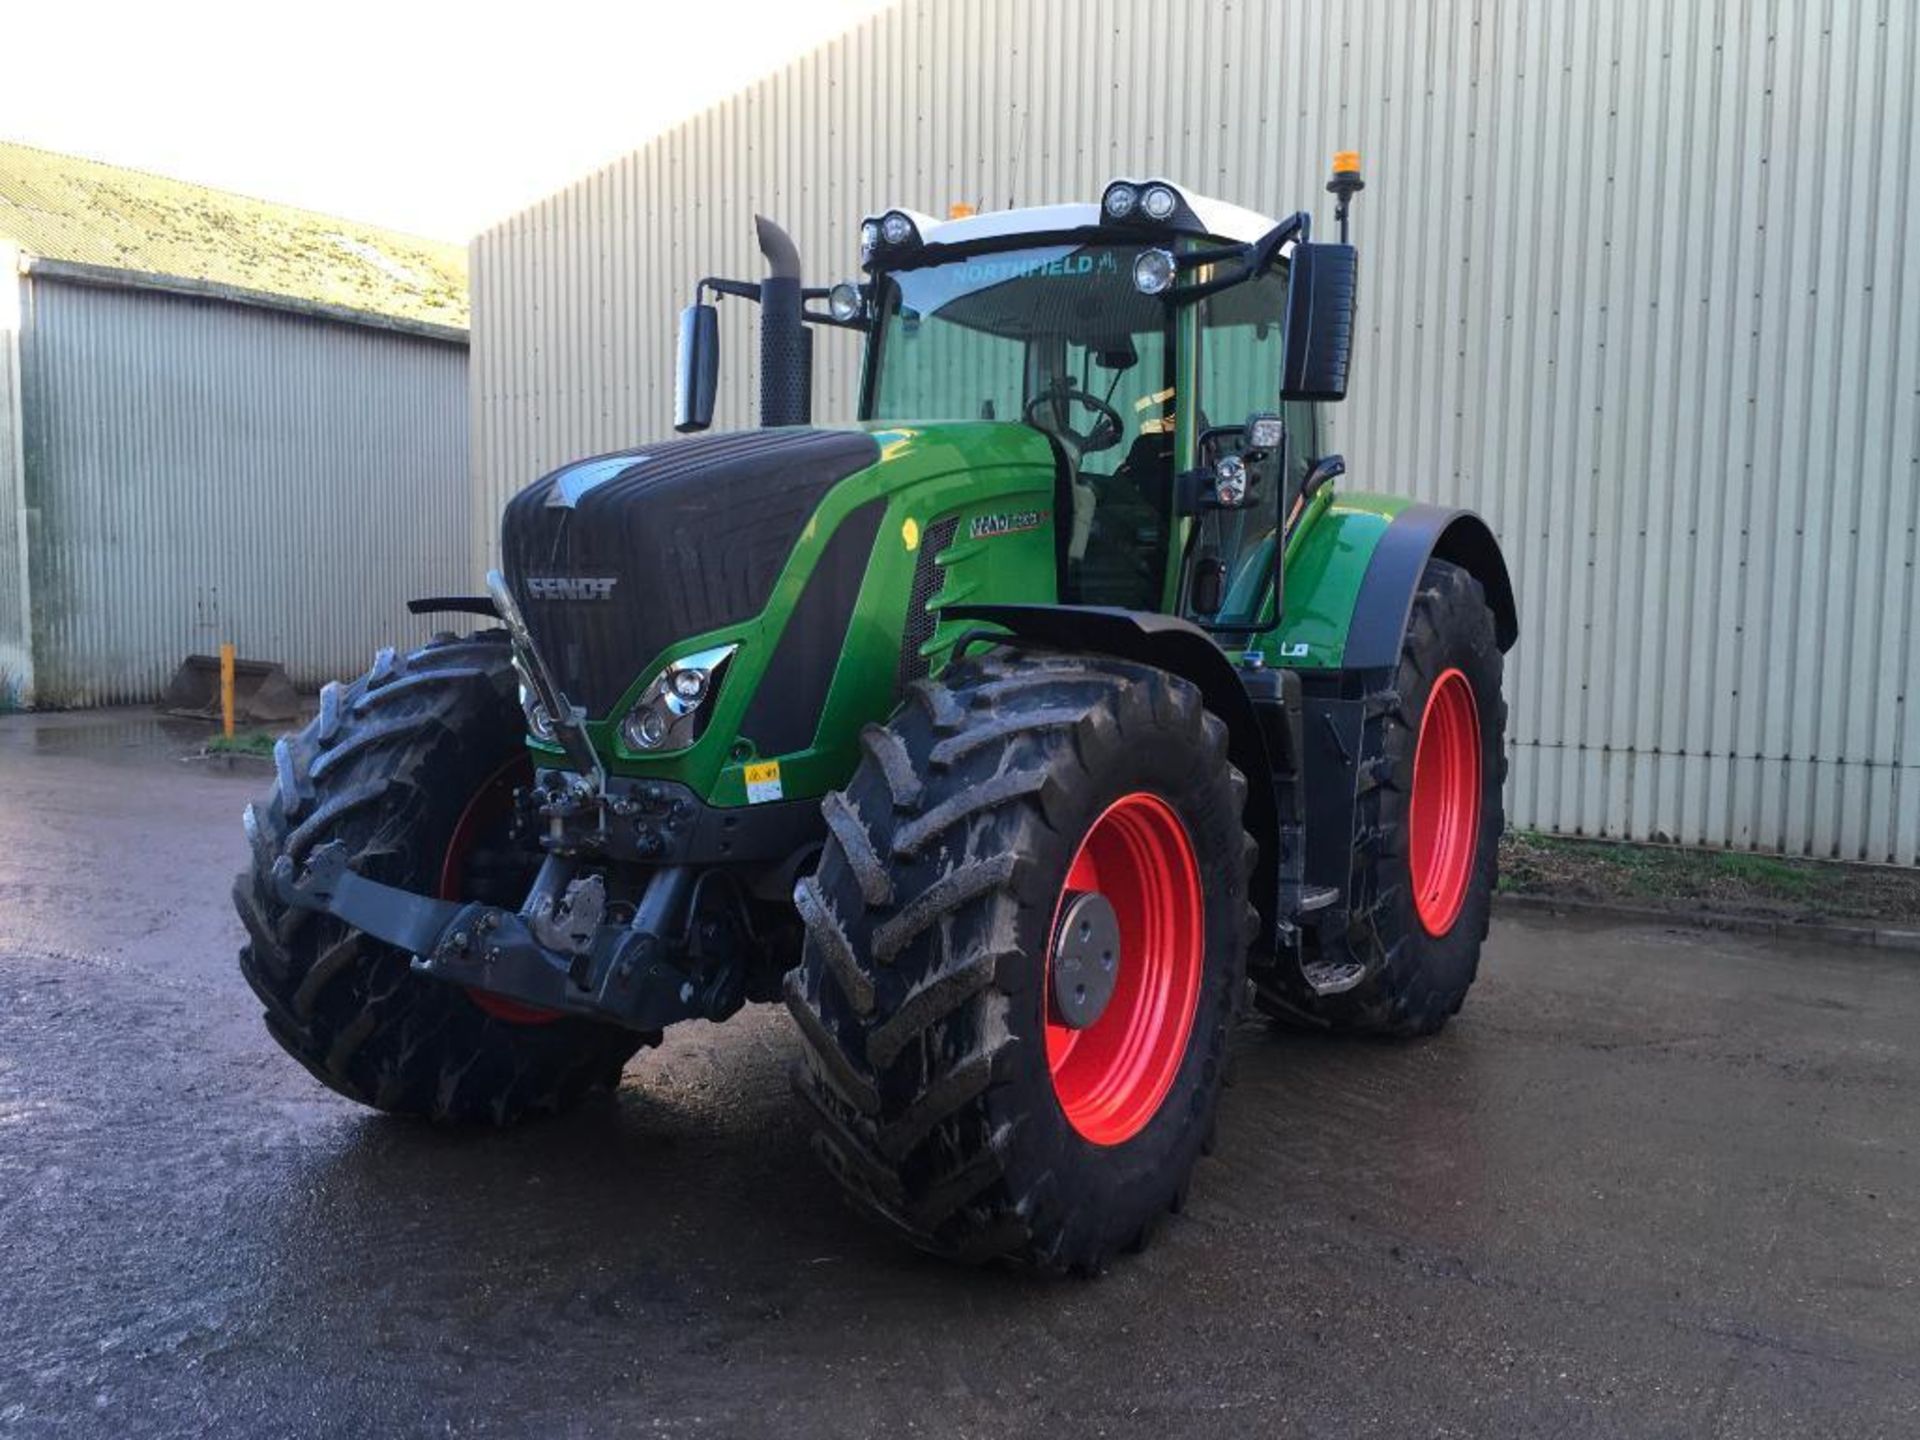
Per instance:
{"type": "Point", "coordinates": [1019, 149]}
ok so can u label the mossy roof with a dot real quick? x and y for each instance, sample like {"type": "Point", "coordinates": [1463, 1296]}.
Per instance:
{"type": "Point", "coordinates": [63, 208]}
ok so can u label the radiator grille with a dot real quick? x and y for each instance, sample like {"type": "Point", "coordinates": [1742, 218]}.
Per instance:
{"type": "Point", "coordinates": [927, 578]}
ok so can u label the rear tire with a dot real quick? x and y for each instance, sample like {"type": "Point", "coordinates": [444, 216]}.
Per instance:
{"type": "Point", "coordinates": [1427, 825]}
{"type": "Point", "coordinates": [923, 993]}
{"type": "Point", "coordinates": [388, 767]}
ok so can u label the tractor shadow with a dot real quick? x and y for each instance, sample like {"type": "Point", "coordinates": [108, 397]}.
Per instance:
{"type": "Point", "coordinates": [687, 1211]}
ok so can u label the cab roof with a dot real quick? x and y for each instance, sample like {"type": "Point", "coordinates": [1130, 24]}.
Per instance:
{"type": "Point", "coordinates": [1192, 214]}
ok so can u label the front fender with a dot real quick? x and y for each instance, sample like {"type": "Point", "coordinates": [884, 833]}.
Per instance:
{"type": "Point", "coordinates": [1182, 648]}
{"type": "Point", "coordinates": [1352, 574]}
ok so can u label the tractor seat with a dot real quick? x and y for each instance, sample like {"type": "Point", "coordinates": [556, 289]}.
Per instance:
{"type": "Point", "coordinates": [1149, 469]}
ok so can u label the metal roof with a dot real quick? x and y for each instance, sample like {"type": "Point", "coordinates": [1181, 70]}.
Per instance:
{"type": "Point", "coordinates": [1218, 217]}
{"type": "Point", "coordinates": [62, 208]}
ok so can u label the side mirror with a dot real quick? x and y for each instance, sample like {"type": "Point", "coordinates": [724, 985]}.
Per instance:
{"type": "Point", "coordinates": [1320, 285]}
{"type": "Point", "coordinates": [696, 376]}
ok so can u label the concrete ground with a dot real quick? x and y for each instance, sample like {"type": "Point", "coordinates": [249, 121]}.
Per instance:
{"type": "Point", "coordinates": [1652, 1182]}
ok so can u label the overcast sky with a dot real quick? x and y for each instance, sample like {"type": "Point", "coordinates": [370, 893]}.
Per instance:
{"type": "Point", "coordinates": [432, 118]}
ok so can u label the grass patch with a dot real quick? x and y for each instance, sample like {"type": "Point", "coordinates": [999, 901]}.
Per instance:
{"type": "Point", "coordinates": [245, 742]}
{"type": "Point", "coordinates": [1724, 881]}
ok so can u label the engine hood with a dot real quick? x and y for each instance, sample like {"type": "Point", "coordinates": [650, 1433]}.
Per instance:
{"type": "Point", "coordinates": [612, 559]}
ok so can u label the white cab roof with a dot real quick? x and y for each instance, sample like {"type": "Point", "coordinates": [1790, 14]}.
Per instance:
{"type": "Point", "coordinates": [1228, 222]}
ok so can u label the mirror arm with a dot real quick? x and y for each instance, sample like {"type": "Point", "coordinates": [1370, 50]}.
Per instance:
{"type": "Point", "coordinates": [819, 317]}
{"type": "Point", "coordinates": [1255, 257]}
{"type": "Point", "coordinates": [739, 289]}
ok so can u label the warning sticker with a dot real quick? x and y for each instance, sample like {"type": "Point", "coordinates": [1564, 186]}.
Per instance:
{"type": "Point", "coordinates": [763, 782]}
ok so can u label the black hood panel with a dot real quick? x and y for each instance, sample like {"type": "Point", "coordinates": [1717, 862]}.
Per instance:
{"type": "Point", "coordinates": [692, 533]}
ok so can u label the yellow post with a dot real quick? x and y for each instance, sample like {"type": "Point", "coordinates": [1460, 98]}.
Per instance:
{"type": "Point", "coordinates": [226, 690]}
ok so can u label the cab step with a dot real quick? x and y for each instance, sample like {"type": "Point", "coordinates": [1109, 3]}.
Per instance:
{"type": "Point", "coordinates": [1333, 977]}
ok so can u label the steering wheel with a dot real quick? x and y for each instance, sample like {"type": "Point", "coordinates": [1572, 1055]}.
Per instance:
{"type": "Point", "coordinates": [1108, 427]}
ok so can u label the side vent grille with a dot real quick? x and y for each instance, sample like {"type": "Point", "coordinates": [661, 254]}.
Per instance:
{"type": "Point", "coordinates": [927, 578]}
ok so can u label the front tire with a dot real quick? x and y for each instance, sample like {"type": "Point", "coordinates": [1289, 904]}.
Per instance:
{"type": "Point", "coordinates": [405, 766]}
{"type": "Point", "coordinates": [949, 1090]}
{"type": "Point", "coordinates": [1427, 825]}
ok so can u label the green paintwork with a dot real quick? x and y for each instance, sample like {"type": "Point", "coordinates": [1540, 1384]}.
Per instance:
{"type": "Point", "coordinates": [924, 474]}
{"type": "Point", "coordinates": [1326, 560]}
{"type": "Point", "coordinates": [1186, 440]}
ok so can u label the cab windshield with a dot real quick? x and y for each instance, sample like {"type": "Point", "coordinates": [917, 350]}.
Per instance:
{"type": "Point", "coordinates": [1058, 337]}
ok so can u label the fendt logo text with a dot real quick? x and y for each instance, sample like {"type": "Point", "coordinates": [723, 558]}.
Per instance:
{"type": "Point", "coordinates": [569, 587]}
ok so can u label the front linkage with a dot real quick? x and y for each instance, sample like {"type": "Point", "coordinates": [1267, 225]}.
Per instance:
{"type": "Point", "coordinates": [684, 954]}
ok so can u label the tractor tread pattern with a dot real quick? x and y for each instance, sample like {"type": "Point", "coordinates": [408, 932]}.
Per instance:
{"type": "Point", "coordinates": [902, 1001]}
{"type": "Point", "coordinates": [382, 755]}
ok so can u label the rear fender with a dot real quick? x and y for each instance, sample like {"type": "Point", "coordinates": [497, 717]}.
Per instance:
{"type": "Point", "coordinates": [1181, 648]}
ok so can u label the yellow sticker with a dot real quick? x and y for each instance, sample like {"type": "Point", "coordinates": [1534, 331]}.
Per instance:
{"type": "Point", "coordinates": [763, 781]}
{"type": "Point", "coordinates": [910, 534]}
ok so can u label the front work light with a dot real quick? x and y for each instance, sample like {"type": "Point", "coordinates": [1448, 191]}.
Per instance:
{"type": "Point", "coordinates": [1264, 432]}
{"type": "Point", "coordinates": [843, 301]}
{"type": "Point", "coordinates": [1120, 201]}
{"type": "Point", "coordinates": [1153, 271]}
{"type": "Point", "coordinates": [896, 229]}
{"type": "Point", "coordinates": [1159, 202]}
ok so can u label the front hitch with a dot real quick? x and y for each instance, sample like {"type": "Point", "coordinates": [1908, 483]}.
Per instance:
{"type": "Point", "coordinates": [558, 953]}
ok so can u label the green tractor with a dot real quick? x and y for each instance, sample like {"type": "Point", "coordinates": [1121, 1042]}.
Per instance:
{"type": "Point", "coordinates": [1016, 735]}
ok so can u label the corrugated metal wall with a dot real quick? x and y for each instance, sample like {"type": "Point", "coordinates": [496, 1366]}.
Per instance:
{"type": "Point", "coordinates": [201, 471]}
{"type": "Point", "coordinates": [16, 650]}
{"type": "Point", "coordinates": [1636, 286]}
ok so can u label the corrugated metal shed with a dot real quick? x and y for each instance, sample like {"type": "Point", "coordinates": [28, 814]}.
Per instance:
{"type": "Point", "coordinates": [1635, 287]}
{"type": "Point", "coordinates": [200, 471]}
{"type": "Point", "coordinates": [220, 420]}
{"type": "Point", "coordinates": [16, 646]}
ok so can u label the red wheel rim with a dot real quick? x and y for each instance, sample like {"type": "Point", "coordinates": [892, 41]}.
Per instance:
{"type": "Point", "coordinates": [1111, 1077]}
{"type": "Point", "coordinates": [489, 808]}
{"type": "Point", "coordinates": [1445, 806]}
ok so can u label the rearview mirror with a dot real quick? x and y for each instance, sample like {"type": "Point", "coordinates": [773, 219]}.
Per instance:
{"type": "Point", "coordinates": [697, 368]}
{"type": "Point", "coordinates": [1320, 285]}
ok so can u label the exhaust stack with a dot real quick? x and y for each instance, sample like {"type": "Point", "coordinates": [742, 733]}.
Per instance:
{"type": "Point", "coordinates": [786, 345]}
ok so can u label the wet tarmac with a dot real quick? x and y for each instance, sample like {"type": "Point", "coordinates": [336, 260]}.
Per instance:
{"type": "Point", "coordinates": [1651, 1183]}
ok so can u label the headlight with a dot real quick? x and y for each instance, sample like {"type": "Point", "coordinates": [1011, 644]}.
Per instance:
{"type": "Point", "coordinates": [896, 228]}
{"type": "Point", "coordinates": [1153, 271]}
{"type": "Point", "coordinates": [686, 688]}
{"type": "Point", "coordinates": [1158, 202]}
{"type": "Point", "coordinates": [1230, 481]}
{"type": "Point", "coordinates": [843, 301]}
{"type": "Point", "coordinates": [671, 712]}
{"type": "Point", "coordinates": [1120, 201]}
{"type": "Point", "coordinates": [646, 729]}
{"type": "Point", "coordinates": [539, 722]}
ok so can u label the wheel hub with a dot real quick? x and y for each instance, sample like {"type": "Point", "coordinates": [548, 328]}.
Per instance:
{"type": "Point", "coordinates": [1086, 959]}
{"type": "Point", "coordinates": [1116, 1038]}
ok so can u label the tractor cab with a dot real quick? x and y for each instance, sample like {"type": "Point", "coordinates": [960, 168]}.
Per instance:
{"type": "Point", "coordinates": [1142, 335]}
{"type": "Point", "coordinates": [1149, 336]}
